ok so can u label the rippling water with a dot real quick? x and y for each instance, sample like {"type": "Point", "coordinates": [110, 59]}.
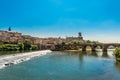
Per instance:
{"type": "Point", "coordinates": [65, 66]}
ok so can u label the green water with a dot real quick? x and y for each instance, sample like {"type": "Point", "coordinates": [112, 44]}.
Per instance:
{"type": "Point", "coordinates": [65, 66]}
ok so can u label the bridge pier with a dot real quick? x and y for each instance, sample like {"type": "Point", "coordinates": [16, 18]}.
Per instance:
{"type": "Point", "coordinates": [105, 54]}
{"type": "Point", "coordinates": [104, 49]}
{"type": "Point", "coordinates": [93, 49]}
{"type": "Point", "coordinates": [84, 48]}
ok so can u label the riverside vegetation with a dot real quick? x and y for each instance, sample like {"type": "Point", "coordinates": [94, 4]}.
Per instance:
{"type": "Point", "coordinates": [117, 54]}
{"type": "Point", "coordinates": [25, 45]}
{"type": "Point", "coordinates": [79, 42]}
{"type": "Point", "coordinates": [82, 42]}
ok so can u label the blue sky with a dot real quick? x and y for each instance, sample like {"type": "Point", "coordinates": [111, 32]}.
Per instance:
{"type": "Point", "coordinates": [96, 19]}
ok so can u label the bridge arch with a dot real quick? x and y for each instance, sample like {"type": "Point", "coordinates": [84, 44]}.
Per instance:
{"type": "Point", "coordinates": [98, 47]}
{"type": "Point", "coordinates": [84, 47]}
{"type": "Point", "coordinates": [88, 48]}
{"type": "Point", "coordinates": [111, 47]}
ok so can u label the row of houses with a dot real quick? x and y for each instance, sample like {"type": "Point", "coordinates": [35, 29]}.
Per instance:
{"type": "Point", "coordinates": [15, 37]}
{"type": "Point", "coordinates": [6, 36]}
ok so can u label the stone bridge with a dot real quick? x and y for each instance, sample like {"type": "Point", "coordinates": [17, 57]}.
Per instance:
{"type": "Point", "coordinates": [103, 46]}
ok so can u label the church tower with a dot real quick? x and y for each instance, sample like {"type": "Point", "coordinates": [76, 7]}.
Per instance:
{"type": "Point", "coordinates": [80, 36]}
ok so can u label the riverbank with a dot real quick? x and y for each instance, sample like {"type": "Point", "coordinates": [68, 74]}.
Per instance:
{"type": "Point", "coordinates": [79, 50]}
{"type": "Point", "coordinates": [7, 60]}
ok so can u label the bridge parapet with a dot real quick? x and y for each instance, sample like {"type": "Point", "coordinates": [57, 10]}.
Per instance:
{"type": "Point", "coordinates": [103, 46]}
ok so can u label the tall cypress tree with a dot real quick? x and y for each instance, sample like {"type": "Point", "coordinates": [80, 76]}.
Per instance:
{"type": "Point", "coordinates": [9, 29]}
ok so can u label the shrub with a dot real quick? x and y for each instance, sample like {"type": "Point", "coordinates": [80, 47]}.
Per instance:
{"type": "Point", "coordinates": [27, 44]}
{"type": "Point", "coordinates": [9, 47]}
{"type": "Point", "coordinates": [21, 45]}
{"type": "Point", "coordinates": [117, 54]}
{"type": "Point", "coordinates": [34, 47]}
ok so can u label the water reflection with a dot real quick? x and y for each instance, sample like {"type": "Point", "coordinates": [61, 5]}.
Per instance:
{"type": "Point", "coordinates": [105, 54]}
{"type": "Point", "coordinates": [89, 53]}
{"type": "Point", "coordinates": [97, 53]}
{"type": "Point", "coordinates": [81, 58]}
{"type": "Point", "coordinates": [117, 65]}
{"type": "Point", "coordinates": [94, 54]}
{"type": "Point", "coordinates": [108, 54]}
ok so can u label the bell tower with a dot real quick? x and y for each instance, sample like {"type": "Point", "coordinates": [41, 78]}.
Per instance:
{"type": "Point", "coordinates": [80, 36]}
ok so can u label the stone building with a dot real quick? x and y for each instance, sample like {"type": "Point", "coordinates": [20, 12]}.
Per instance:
{"type": "Point", "coordinates": [26, 37]}
{"type": "Point", "coordinates": [69, 39]}
{"type": "Point", "coordinates": [11, 37]}
{"type": "Point", "coordinates": [47, 43]}
{"type": "Point", "coordinates": [14, 37]}
{"type": "Point", "coordinates": [36, 40]}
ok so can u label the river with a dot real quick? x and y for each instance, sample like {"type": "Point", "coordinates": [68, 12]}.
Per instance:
{"type": "Point", "coordinates": [65, 66]}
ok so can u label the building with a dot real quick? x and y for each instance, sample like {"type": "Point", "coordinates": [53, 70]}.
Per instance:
{"type": "Point", "coordinates": [15, 37]}
{"type": "Point", "coordinates": [36, 40]}
{"type": "Point", "coordinates": [10, 37]}
{"type": "Point", "coordinates": [69, 39]}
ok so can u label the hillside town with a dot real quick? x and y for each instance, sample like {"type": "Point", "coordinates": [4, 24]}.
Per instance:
{"type": "Point", "coordinates": [15, 37]}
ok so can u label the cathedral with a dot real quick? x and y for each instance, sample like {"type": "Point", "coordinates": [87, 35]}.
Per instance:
{"type": "Point", "coordinates": [79, 37]}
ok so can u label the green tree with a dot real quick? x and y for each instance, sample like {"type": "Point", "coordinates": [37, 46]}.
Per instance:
{"type": "Point", "coordinates": [78, 42]}
{"type": "Point", "coordinates": [117, 54]}
{"type": "Point", "coordinates": [21, 45]}
{"type": "Point", "coordinates": [8, 47]}
{"type": "Point", "coordinates": [34, 47]}
{"type": "Point", "coordinates": [81, 42]}
{"type": "Point", "coordinates": [27, 44]}
{"type": "Point", "coordinates": [9, 29]}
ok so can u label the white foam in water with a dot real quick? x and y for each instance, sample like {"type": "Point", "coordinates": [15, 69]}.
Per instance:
{"type": "Point", "coordinates": [2, 66]}
{"type": "Point", "coordinates": [18, 58]}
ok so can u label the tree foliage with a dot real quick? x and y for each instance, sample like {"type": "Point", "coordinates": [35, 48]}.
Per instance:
{"type": "Point", "coordinates": [21, 45]}
{"type": "Point", "coordinates": [27, 44]}
{"type": "Point", "coordinates": [82, 42]}
{"type": "Point", "coordinates": [117, 54]}
{"type": "Point", "coordinates": [75, 42]}
{"type": "Point", "coordinates": [9, 47]}
{"type": "Point", "coordinates": [35, 47]}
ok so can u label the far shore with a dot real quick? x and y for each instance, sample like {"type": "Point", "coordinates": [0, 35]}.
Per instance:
{"type": "Point", "coordinates": [80, 50]}
{"type": "Point", "coordinates": [7, 60]}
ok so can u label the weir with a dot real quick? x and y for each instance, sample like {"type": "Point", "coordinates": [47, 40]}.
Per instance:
{"type": "Point", "coordinates": [18, 58]}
